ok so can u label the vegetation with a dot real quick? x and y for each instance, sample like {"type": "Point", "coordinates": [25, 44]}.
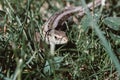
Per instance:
{"type": "Point", "coordinates": [92, 52]}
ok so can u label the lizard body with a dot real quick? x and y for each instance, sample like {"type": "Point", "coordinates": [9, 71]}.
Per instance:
{"type": "Point", "coordinates": [52, 36]}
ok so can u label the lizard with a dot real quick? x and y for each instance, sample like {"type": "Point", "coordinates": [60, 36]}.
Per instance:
{"type": "Point", "coordinates": [52, 36]}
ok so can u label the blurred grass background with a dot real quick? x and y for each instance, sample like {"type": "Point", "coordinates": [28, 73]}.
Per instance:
{"type": "Point", "coordinates": [92, 52]}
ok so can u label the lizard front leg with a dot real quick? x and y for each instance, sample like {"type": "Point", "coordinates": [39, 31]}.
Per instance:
{"type": "Point", "coordinates": [55, 37]}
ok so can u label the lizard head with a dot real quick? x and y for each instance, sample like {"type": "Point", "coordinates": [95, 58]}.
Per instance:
{"type": "Point", "coordinates": [57, 37]}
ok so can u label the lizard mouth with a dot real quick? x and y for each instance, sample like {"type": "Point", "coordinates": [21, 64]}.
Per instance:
{"type": "Point", "coordinates": [63, 40]}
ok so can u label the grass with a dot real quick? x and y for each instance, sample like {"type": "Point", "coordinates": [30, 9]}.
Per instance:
{"type": "Point", "coordinates": [91, 53]}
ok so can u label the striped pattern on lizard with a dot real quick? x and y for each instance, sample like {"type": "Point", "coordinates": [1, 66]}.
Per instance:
{"type": "Point", "coordinates": [52, 36]}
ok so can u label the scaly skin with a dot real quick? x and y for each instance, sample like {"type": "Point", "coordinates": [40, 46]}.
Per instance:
{"type": "Point", "coordinates": [59, 17]}
{"type": "Point", "coordinates": [52, 36]}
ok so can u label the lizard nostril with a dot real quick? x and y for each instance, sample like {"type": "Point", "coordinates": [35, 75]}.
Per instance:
{"type": "Point", "coordinates": [65, 40]}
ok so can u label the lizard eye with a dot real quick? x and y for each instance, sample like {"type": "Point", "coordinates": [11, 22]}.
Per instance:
{"type": "Point", "coordinates": [55, 37]}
